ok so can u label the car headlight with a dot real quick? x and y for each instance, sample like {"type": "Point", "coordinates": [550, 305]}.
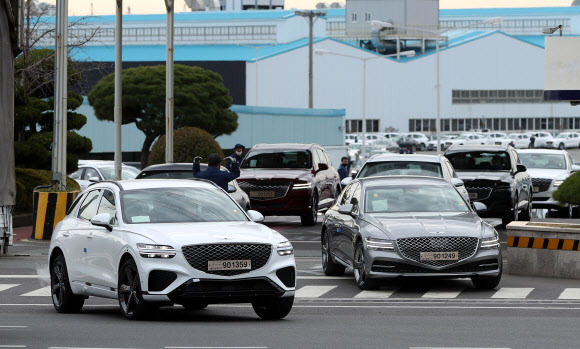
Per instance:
{"type": "Point", "coordinates": [156, 251]}
{"type": "Point", "coordinates": [379, 244]}
{"type": "Point", "coordinates": [558, 182]}
{"type": "Point", "coordinates": [301, 186]}
{"type": "Point", "coordinates": [285, 248]}
{"type": "Point", "coordinates": [492, 242]}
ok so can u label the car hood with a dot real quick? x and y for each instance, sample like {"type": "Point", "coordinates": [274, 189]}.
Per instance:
{"type": "Point", "coordinates": [273, 174]}
{"type": "Point", "coordinates": [547, 173]}
{"type": "Point", "coordinates": [182, 234]}
{"type": "Point", "coordinates": [397, 227]}
{"type": "Point", "coordinates": [483, 175]}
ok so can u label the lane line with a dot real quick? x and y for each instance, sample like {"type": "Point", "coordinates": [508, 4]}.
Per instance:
{"type": "Point", "coordinates": [512, 292]}
{"type": "Point", "coordinates": [13, 326]}
{"type": "Point", "coordinates": [313, 291]}
{"type": "Point", "coordinates": [216, 347]}
{"type": "Point", "coordinates": [570, 293]}
{"type": "Point", "coordinates": [41, 292]}
{"type": "Point", "coordinates": [87, 348]}
{"type": "Point", "coordinates": [12, 346]}
{"type": "Point", "coordinates": [23, 276]}
{"type": "Point", "coordinates": [323, 277]}
{"type": "Point", "coordinates": [453, 348]}
{"type": "Point", "coordinates": [442, 293]}
{"type": "Point", "coordinates": [4, 287]}
{"type": "Point", "coordinates": [382, 294]}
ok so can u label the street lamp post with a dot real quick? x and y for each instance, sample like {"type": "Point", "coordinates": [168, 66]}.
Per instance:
{"type": "Point", "coordinates": [492, 21]}
{"type": "Point", "coordinates": [364, 84]}
{"type": "Point", "coordinates": [117, 110]}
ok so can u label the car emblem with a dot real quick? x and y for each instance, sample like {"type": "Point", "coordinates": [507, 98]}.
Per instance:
{"type": "Point", "coordinates": [225, 237]}
{"type": "Point", "coordinates": [439, 243]}
{"type": "Point", "coordinates": [437, 232]}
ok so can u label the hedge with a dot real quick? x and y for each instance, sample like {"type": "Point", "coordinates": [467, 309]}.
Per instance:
{"type": "Point", "coordinates": [27, 179]}
{"type": "Point", "coordinates": [569, 191]}
{"type": "Point", "coordinates": [188, 142]}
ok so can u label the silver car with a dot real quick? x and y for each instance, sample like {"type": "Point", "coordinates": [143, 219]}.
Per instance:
{"type": "Point", "coordinates": [410, 165]}
{"type": "Point", "coordinates": [548, 169]}
{"type": "Point", "coordinates": [90, 172]}
{"type": "Point", "coordinates": [385, 227]}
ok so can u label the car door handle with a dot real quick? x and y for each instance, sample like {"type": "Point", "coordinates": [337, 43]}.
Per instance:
{"type": "Point", "coordinates": [89, 235]}
{"type": "Point", "coordinates": [65, 234]}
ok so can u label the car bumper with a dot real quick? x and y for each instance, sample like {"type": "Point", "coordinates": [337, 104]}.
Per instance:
{"type": "Point", "coordinates": [499, 203]}
{"type": "Point", "coordinates": [384, 264]}
{"type": "Point", "coordinates": [175, 280]}
{"type": "Point", "coordinates": [295, 203]}
{"type": "Point", "coordinates": [545, 200]}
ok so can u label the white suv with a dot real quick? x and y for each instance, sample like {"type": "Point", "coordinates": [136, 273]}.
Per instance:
{"type": "Point", "coordinates": [565, 140]}
{"type": "Point", "coordinates": [149, 243]}
{"type": "Point", "coordinates": [420, 138]}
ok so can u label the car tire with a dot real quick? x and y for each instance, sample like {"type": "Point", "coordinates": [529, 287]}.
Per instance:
{"type": "Point", "coordinates": [486, 282]}
{"type": "Point", "coordinates": [130, 296]}
{"type": "Point", "coordinates": [361, 277]}
{"type": "Point", "coordinates": [195, 305]}
{"type": "Point", "coordinates": [512, 215]}
{"type": "Point", "coordinates": [311, 217]}
{"type": "Point", "coordinates": [527, 214]}
{"type": "Point", "coordinates": [63, 299]}
{"type": "Point", "coordinates": [273, 309]}
{"type": "Point", "coordinates": [422, 147]}
{"type": "Point", "coordinates": [414, 148]}
{"type": "Point", "coordinates": [329, 266]}
{"type": "Point", "coordinates": [561, 146]}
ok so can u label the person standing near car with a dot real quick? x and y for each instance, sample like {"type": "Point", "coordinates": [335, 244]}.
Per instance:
{"type": "Point", "coordinates": [236, 157]}
{"type": "Point", "coordinates": [343, 168]}
{"type": "Point", "coordinates": [532, 141]}
{"type": "Point", "coordinates": [213, 172]}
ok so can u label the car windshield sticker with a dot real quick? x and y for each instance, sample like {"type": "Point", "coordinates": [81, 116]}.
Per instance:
{"type": "Point", "coordinates": [140, 219]}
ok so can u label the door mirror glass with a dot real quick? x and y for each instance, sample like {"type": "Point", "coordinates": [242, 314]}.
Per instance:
{"type": "Point", "coordinates": [346, 209]}
{"type": "Point", "coordinates": [575, 168]}
{"type": "Point", "coordinates": [255, 216]}
{"type": "Point", "coordinates": [93, 179]}
{"type": "Point", "coordinates": [102, 220]}
{"type": "Point", "coordinates": [521, 168]}
{"type": "Point", "coordinates": [231, 188]}
{"type": "Point", "coordinates": [456, 182]}
{"type": "Point", "coordinates": [479, 207]}
{"type": "Point", "coordinates": [322, 167]}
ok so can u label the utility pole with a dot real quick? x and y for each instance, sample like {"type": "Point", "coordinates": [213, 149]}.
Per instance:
{"type": "Point", "coordinates": [311, 16]}
{"type": "Point", "coordinates": [117, 111]}
{"type": "Point", "coordinates": [60, 95]}
{"type": "Point", "coordinates": [169, 100]}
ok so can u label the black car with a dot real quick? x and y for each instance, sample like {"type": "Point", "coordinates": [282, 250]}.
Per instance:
{"type": "Point", "coordinates": [408, 142]}
{"type": "Point", "coordinates": [495, 176]}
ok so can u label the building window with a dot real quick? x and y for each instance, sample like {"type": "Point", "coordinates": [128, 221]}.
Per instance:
{"type": "Point", "coordinates": [355, 126]}
{"type": "Point", "coordinates": [496, 96]}
{"type": "Point", "coordinates": [354, 17]}
{"type": "Point", "coordinates": [367, 17]}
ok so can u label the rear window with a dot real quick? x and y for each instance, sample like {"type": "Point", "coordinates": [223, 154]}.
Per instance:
{"type": "Point", "coordinates": [480, 161]}
{"type": "Point", "coordinates": [401, 168]}
{"type": "Point", "coordinates": [278, 159]}
{"type": "Point", "coordinates": [166, 174]}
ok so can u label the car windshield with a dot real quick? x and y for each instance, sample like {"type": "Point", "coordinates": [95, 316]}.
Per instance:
{"type": "Point", "coordinates": [562, 135]}
{"type": "Point", "coordinates": [461, 137]}
{"type": "Point", "coordinates": [414, 198]}
{"type": "Point", "coordinates": [547, 161]}
{"type": "Point", "coordinates": [278, 159]}
{"type": "Point", "coordinates": [179, 205]}
{"type": "Point", "coordinates": [512, 137]}
{"type": "Point", "coordinates": [127, 172]}
{"type": "Point", "coordinates": [480, 161]}
{"type": "Point", "coordinates": [401, 168]}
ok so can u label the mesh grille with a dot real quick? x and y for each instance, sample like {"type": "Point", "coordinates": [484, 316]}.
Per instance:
{"type": "Point", "coordinates": [393, 267]}
{"type": "Point", "coordinates": [199, 255]}
{"type": "Point", "coordinates": [543, 184]}
{"type": "Point", "coordinates": [279, 189]}
{"type": "Point", "coordinates": [412, 247]}
{"type": "Point", "coordinates": [160, 279]}
{"type": "Point", "coordinates": [287, 276]}
{"type": "Point", "coordinates": [483, 191]}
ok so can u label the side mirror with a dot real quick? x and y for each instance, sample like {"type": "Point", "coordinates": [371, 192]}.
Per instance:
{"type": "Point", "coordinates": [479, 207]}
{"type": "Point", "coordinates": [575, 168]}
{"type": "Point", "coordinates": [521, 168]}
{"type": "Point", "coordinates": [255, 216]}
{"type": "Point", "coordinates": [345, 181]}
{"type": "Point", "coordinates": [102, 220]}
{"type": "Point", "coordinates": [346, 209]}
{"type": "Point", "coordinates": [457, 182]}
{"type": "Point", "coordinates": [322, 167]}
{"type": "Point", "coordinates": [93, 179]}
{"type": "Point", "coordinates": [231, 188]}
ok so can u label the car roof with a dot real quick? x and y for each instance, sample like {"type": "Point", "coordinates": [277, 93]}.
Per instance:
{"type": "Point", "coordinates": [541, 151]}
{"type": "Point", "coordinates": [104, 164]}
{"type": "Point", "coordinates": [134, 184]}
{"type": "Point", "coordinates": [285, 146]}
{"type": "Point", "coordinates": [401, 180]}
{"type": "Point", "coordinates": [475, 147]}
{"type": "Point", "coordinates": [170, 167]}
{"type": "Point", "coordinates": [405, 157]}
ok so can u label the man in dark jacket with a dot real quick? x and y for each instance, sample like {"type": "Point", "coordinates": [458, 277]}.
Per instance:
{"type": "Point", "coordinates": [213, 173]}
{"type": "Point", "coordinates": [343, 168]}
{"type": "Point", "coordinates": [236, 157]}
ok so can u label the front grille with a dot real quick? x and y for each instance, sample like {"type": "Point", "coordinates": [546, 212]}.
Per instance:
{"type": "Point", "coordinates": [261, 189]}
{"type": "Point", "coordinates": [543, 184]}
{"type": "Point", "coordinates": [394, 267]}
{"type": "Point", "coordinates": [411, 248]}
{"type": "Point", "coordinates": [199, 255]}
{"type": "Point", "coordinates": [160, 279]}
{"type": "Point", "coordinates": [287, 276]}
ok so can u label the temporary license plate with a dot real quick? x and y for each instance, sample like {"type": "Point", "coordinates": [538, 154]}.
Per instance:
{"type": "Point", "coordinates": [536, 189]}
{"type": "Point", "coordinates": [262, 194]}
{"type": "Point", "coordinates": [473, 195]}
{"type": "Point", "coordinates": [241, 264]}
{"type": "Point", "coordinates": [439, 256]}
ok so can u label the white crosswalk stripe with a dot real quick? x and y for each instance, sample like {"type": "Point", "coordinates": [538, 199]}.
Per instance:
{"type": "Point", "coordinates": [313, 291]}
{"type": "Point", "coordinates": [382, 294]}
{"type": "Point", "coordinates": [442, 293]}
{"type": "Point", "coordinates": [570, 293]}
{"type": "Point", "coordinates": [41, 292]}
{"type": "Point", "coordinates": [4, 287]}
{"type": "Point", "coordinates": [512, 292]}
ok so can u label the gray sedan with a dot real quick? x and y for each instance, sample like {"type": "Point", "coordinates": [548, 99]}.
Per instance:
{"type": "Point", "coordinates": [385, 227]}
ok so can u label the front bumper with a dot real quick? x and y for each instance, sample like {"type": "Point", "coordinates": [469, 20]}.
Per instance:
{"type": "Point", "coordinates": [545, 200]}
{"type": "Point", "coordinates": [499, 203]}
{"type": "Point", "coordinates": [390, 264]}
{"type": "Point", "coordinates": [295, 203]}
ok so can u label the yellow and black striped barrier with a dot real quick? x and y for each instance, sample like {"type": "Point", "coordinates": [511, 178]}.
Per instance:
{"type": "Point", "coordinates": [49, 209]}
{"type": "Point", "coordinates": [543, 243]}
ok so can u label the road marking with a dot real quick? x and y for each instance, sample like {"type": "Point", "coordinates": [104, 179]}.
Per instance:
{"type": "Point", "coordinates": [442, 293]}
{"type": "Point", "coordinates": [313, 291]}
{"type": "Point", "coordinates": [13, 326]}
{"type": "Point", "coordinates": [512, 292]}
{"type": "Point", "coordinates": [23, 276]}
{"type": "Point", "coordinates": [570, 293]}
{"type": "Point", "coordinates": [452, 348]}
{"type": "Point", "coordinates": [12, 346]}
{"type": "Point", "coordinates": [322, 277]}
{"type": "Point", "coordinates": [216, 347]}
{"type": "Point", "coordinates": [86, 348]}
{"type": "Point", "coordinates": [4, 287]}
{"type": "Point", "coordinates": [382, 294]}
{"type": "Point", "coordinates": [41, 292]}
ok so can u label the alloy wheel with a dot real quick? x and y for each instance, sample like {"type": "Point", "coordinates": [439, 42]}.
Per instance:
{"type": "Point", "coordinates": [129, 289]}
{"type": "Point", "coordinates": [359, 265]}
{"type": "Point", "coordinates": [516, 211]}
{"type": "Point", "coordinates": [58, 283]}
{"type": "Point", "coordinates": [325, 250]}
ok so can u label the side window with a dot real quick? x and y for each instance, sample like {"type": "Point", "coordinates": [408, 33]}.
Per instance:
{"type": "Point", "coordinates": [321, 156]}
{"type": "Point", "coordinates": [107, 205]}
{"type": "Point", "coordinates": [355, 200]}
{"type": "Point", "coordinates": [77, 174]}
{"type": "Point", "coordinates": [75, 204]}
{"type": "Point", "coordinates": [315, 158]}
{"type": "Point", "coordinates": [89, 205]}
{"type": "Point", "coordinates": [90, 172]}
{"type": "Point", "coordinates": [347, 194]}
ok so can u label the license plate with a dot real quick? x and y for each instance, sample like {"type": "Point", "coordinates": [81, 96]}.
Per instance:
{"type": "Point", "coordinates": [262, 194]}
{"type": "Point", "coordinates": [473, 195]}
{"type": "Point", "coordinates": [536, 189]}
{"type": "Point", "coordinates": [242, 264]}
{"type": "Point", "coordinates": [439, 256]}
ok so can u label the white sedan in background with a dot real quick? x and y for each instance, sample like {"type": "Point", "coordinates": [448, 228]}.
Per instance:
{"type": "Point", "coordinates": [565, 140]}
{"type": "Point", "coordinates": [465, 140]}
{"type": "Point", "coordinates": [150, 243]}
{"type": "Point", "coordinates": [520, 140]}
{"type": "Point", "coordinates": [490, 138]}
{"type": "Point", "coordinates": [95, 171]}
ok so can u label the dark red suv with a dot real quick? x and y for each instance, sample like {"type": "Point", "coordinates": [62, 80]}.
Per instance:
{"type": "Point", "coordinates": [289, 180]}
